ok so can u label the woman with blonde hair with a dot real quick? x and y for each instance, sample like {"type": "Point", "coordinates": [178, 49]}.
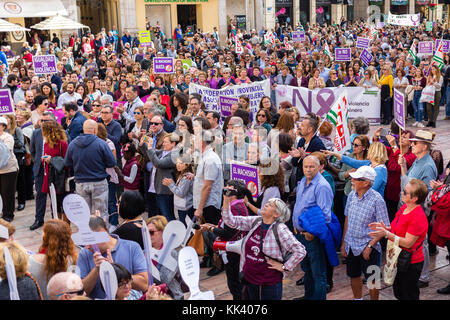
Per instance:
{"type": "Point", "coordinates": [376, 158]}
{"type": "Point", "coordinates": [386, 84]}
{"type": "Point", "coordinates": [27, 287]}
{"type": "Point", "coordinates": [56, 253]}
{"type": "Point", "coordinates": [434, 79]}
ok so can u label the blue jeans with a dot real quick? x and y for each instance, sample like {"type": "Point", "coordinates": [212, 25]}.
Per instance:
{"type": "Point", "coordinates": [418, 106]}
{"type": "Point", "coordinates": [259, 292]}
{"type": "Point", "coordinates": [112, 204]}
{"type": "Point", "coordinates": [447, 95]}
{"type": "Point", "coordinates": [183, 213]}
{"type": "Point", "coordinates": [315, 267]}
{"type": "Point", "coordinates": [165, 205]}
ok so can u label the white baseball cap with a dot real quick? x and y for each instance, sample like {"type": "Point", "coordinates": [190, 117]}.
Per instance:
{"type": "Point", "coordinates": [364, 172]}
{"type": "Point", "coordinates": [3, 121]}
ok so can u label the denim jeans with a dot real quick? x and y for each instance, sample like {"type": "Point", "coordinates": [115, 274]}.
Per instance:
{"type": "Point", "coordinates": [95, 194]}
{"type": "Point", "coordinates": [447, 107]}
{"type": "Point", "coordinates": [418, 106]}
{"type": "Point", "coordinates": [112, 204]}
{"type": "Point", "coordinates": [165, 205]}
{"type": "Point", "coordinates": [315, 267]}
{"type": "Point", "coordinates": [183, 213]}
{"type": "Point", "coordinates": [259, 292]}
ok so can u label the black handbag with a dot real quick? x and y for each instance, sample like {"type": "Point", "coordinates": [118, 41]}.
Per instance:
{"type": "Point", "coordinates": [404, 259]}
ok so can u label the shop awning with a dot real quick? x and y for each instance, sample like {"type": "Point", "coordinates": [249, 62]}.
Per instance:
{"type": "Point", "coordinates": [58, 23]}
{"type": "Point", "coordinates": [6, 26]}
{"type": "Point", "coordinates": [31, 8]}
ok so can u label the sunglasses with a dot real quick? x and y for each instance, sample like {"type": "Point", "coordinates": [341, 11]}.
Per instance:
{"type": "Point", "coordinates": [96, 105]}
{"type": "Point", "coordinates": [262, 115]}
{"type": "Point", "coordinates": [357, 145]}
{"type": "Point", "coordinates": [136, 112]}
{"type": "Point", "coordinates": [78, 293]}
{"type": "Point", "coordinates": [155, 123]}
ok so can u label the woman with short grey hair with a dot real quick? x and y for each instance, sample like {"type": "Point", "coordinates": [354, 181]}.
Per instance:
{"type": "Point", "coordinates": [268, 250]}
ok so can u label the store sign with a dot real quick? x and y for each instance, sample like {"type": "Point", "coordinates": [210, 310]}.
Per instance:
{"type": "Point", "coordinates": [399, 2]}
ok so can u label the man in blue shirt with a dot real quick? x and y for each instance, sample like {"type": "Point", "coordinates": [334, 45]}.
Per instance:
{"type": "Point", "coordinates": [313, 190]}
{"type": "Point", "coordinates": [125, 252]}
{"type": "Point", "coordinates": [364, 206]}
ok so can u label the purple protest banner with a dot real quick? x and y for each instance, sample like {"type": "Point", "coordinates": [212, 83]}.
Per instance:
{"type": "Point", "coordinates": [399, 109]}
{"type": "Point", "coordinates": [366, 57]}
{"type": "Point", "coordinates": [343, 54]}
{"type": "Point", "coordinates": [44, 64]}
{"type": "Point", "coordinates": [426, 47]}
{"type": "Point", "coordinates": [248, 174]}
{"type": "Point", "coordinates": [362, 43]}
{"type": "Point", "coordinates": [445, 45]}
{"type": "Point", "coordinates": [298, 36]}
{"type": "Point", "coordinates": [163, 65]}
{"type": "Point", "coordinates": [225, 104]}
{"type": "Point", "coordinates": [6, 105]}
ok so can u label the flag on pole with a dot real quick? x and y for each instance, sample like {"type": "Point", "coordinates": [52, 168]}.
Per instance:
{"type": "Point", "coordinates": [327, 51]}
{"type": "Point", "coordinates": [412, 52]}
{"type": "Point", "coordinates": [373, 32]}
{"type": "Point", "coordinates": [438, 58]}
{"type": "Point", "coordinates": [287, 45]}
{"type": "Point", "coordinates": [238, 44]}
{"type": "Point", "coordinates": [269, 37]}
{"type": "Point", "coordinates": [338, 116]}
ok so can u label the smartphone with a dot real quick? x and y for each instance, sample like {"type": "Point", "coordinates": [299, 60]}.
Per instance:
{"type": "Point", "coordinates": [383, 133]}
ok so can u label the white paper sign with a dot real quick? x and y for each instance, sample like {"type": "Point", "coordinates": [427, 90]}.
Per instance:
{"type": "Point", "coordinates": [53, 199]}
{"type": "Point", "coordinates": [189, 230]}
{"type": "Point", "coordinates": [11, 275]}
{"type": "Point", "coordinates": [151, 268]}
{"type": "Point", "coordinates": [77, 211]}
{"type": "Point", "coordinates": [190, 272]}
{"type": "Point", "coordinates": [108, 278]}
{"type": "Point", "coordinates": [4, 233]}
{"type": "Point", "coordinates": [173, 237]}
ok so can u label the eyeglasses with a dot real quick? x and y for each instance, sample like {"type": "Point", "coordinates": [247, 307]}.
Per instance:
{"type": "Point", "coordinates": [357, 145]}
{"type": "Point", "coordinates": [123, 285]}
{"type": "Point", "coordinates": [155, 123]}
{"type": "Point", "coordinates": [78, 293]}
{"type": "Point", "coordinates": [262, 115]}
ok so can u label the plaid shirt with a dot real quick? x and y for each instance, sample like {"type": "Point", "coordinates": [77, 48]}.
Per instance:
{"type": "Point", "coordinates": [270, 245]}
{"type": "Point", "coordinates": [360, 213]}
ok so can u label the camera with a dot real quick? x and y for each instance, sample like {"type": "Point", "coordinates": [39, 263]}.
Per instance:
{"type": "Point", "coordinates": [229, 192]}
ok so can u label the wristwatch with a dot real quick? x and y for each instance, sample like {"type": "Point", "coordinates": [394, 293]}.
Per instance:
{"type": "Point", "coordinates": [283, 267]}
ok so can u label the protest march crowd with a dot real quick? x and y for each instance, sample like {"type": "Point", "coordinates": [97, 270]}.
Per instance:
{"type": "Point", "coordinates": [269, 188]}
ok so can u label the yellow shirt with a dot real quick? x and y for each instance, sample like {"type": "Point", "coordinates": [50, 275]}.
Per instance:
{"type": "Point", "coordinates": [387, 80]}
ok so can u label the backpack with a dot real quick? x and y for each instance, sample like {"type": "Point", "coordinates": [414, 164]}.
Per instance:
{"type": "Point", "coordinates": [5, 154]}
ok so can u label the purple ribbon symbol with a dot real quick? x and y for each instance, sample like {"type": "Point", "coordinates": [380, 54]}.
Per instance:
{"type": "Point", "coordinates": [325, 104]}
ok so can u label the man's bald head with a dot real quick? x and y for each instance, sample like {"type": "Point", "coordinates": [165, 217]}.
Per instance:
{"type": "Point", "coordinates": [62, 284]}
{"type": "Point", "coordinates": [90, 127]}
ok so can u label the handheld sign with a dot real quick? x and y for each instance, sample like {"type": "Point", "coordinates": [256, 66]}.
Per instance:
{"type": "Point", "coordinates": [190, 272]}
{"type": "Point", "coordinates": [343, 54]}
{"type": "Point", "coordinates": [53, 200]}
{"type": "Point", "coordinates": [6, 105]}
{"type": "Point", "coordinates": [44, 64]}
{"type": "Point", "coordinates": [362, 42]}
{"type": "Point", "coordinates": [77, 211]}
{"type": "Point", "coordinates": [173, 236]}
{"type": "Point", "coordinates": [248, 174]}
{"type": "Point", "coordinates": [426, 47]}
{"type": "Point", "coordinates": [366, 57]}
{"type": "Point", "coordinates": [11, 275]}
{"type": "Point", "coordinates": [189, 231]}
{"type": "Point", "coordinates": [163, 65]}
{"type": "Point", "coordinates": [109, 280]}
{"type": "Point", "coordinates": [151, 269]}
{"type": "Point", "coordinates": [145, 38]}
{"type": "Point", "coordinates": [399, 109]}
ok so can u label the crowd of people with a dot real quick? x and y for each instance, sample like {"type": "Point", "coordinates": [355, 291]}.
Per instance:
{"type": "Point", "coordinates": [139, 147]}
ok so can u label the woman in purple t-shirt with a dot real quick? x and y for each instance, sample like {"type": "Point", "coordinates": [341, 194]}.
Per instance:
{"type": "Point", "coordinates": [264, 257]}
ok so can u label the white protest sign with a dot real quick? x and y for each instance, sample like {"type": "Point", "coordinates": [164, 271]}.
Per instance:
{"type": "Point", "coordinates": [77, 211]}
{"type": "Point", "coordinates": [151, 269]}
{"type": "Point", "coordinates": [4, 233]}
{"type": "Point", "coordinates": [11, 275]}
{"type": "Point", "coordinates": [190, 272]}
{"type": "Point", "coordinates": [109, 280]}
{"type": "Point", "coordinates": [53, 200]}
{"type": "Point", "coordinates": [189, 230]}
{"type": "Point", "coordinates": [255, 91]}
{"type": "Point", "coordinates": [173, 237]}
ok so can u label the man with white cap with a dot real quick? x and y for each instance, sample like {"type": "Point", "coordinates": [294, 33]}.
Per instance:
{"type": "Point", "coordinates": [423, 168]}
{"type": "Point", "coordinates": [364, 206]}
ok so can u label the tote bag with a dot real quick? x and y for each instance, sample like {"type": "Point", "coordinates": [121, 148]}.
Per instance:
{"type": "Point", "coordinates": [390, 268]}
{"type": "Point", "coordinates": [428, 94]}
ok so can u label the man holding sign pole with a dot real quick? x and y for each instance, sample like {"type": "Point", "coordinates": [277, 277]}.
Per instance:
{"type": "Point", "coordinates": [125, 252]}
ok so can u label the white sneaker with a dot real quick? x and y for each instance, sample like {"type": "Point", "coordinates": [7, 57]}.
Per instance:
{"type": "Point", "coordinates": [415, 124]}
{"type": "Point", "coordinates": [421, 125]}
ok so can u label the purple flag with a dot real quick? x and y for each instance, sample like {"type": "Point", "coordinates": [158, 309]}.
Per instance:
{"type": "Point", "coordinates": [343, 54]}
{"type": "Point", "coordinates": [399, 109]}
{"type": "Point", "coordinates": [6, 105]}
{"type": "Point", "coordinates": [44, 64]}
{"type": "Point", "coordinates": [163, 65]}
{"type": "Point", "coordinates": [248, 174]}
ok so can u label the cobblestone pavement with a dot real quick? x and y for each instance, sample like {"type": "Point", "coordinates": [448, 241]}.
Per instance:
{"type": "Point", "coordinates": [440, 268]}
